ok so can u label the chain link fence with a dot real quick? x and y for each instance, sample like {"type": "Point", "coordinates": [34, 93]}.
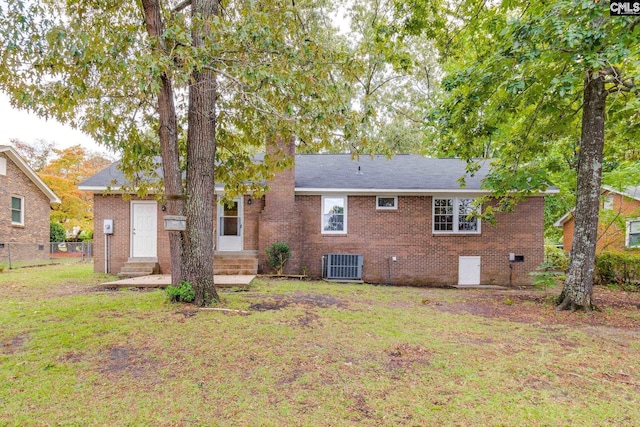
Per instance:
{"type": "Point", "coordinates": [16, 254]}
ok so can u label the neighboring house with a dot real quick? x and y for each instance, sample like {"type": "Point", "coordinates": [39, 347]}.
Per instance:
{"type": "Point", "coordinates": [24, 209]}
{"type": "Point", "coordinates": [618, 225]}
{"type": "Point", "coordinates": [406, 216]}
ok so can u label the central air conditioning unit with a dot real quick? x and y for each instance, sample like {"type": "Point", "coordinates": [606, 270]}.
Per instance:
{"type": "Point", "coordinates": [342, 266]}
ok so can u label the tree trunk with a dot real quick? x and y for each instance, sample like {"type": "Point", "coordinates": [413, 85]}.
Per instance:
{"type": "Point", "coordinates": [201, 150]}
{"type": "Point", "coordinates": [168, 142]}
{"type": "Point", "coordinates": [578, 286]}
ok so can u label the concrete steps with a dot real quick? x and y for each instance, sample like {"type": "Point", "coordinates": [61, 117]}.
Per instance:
{"type": "Point", "coordinates": [133, 269]}
{"type": "Point", "coordinates": [235, 263]}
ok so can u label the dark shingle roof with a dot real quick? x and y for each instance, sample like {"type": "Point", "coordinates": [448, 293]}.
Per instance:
{"type": "Point", "coordinates": [337, 172]}
{"type": "Point", "coordinates": [401, 172]}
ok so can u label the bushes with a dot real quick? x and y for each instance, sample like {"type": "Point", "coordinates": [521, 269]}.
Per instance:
{"type": "Point", "coordinates": [555, 258]}
{"type": "Point", "coordinates": [620, 268]}
{"type": "Point", "coordinates": [183, 293]}
{"type": "Point", "coordinates": [278, 255]}
{"type": "Point", "coordinates": [56, 232]}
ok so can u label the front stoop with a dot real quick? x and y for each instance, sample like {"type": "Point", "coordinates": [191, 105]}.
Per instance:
{"type": "Point", "coordinates": [133, 269]}
{"type": "Point", "coordinates": [236, 263]}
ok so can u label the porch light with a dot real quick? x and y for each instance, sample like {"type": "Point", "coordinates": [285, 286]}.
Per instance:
{"type": "Point", "coordinates": [175, 222]}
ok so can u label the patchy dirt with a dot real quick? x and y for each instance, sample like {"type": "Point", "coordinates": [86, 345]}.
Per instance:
{"type": "Point", "coordinates": [278, 302]}
{"type": "Point", "coordinates": [13, 344]}
{"type": "Point", "coordinates": [128, 360]}
{"type": "Point", "coordinates": [616, 308]}
{"type": "Point", "coordinates": [404, 356]}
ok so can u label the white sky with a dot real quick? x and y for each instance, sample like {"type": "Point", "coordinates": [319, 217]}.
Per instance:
{"type": "Point", "coordinates": [18, 124]}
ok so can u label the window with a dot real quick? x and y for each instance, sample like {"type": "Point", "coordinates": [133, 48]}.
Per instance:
{"type": "Point", "coordinates": [633, 233]}
{"type": "Point", "coordinates": [17, 210]}
{"type": "Point", "coordinates": [387, 202]}
{"type": "Point", "coordinates": [607, 204]}
{"type": "Point", "coordinates": [451, 216]}
{"type": "Point", "coordinates": [334, 215]}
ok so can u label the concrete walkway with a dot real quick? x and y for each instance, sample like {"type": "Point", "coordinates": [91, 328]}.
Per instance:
{"type": "Point", "coordinates": [163, 280]}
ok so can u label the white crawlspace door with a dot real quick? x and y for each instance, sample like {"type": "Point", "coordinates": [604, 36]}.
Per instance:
{"type": "Point", "coordinates": [144, 222]}
{"type": "Point", "coordinates": [469, 270]}
{"type": "Point", "coordinates": [230, 226]}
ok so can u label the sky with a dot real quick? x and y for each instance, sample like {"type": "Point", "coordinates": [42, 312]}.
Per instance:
{"type": "Point", "coordinates": [18, 124]}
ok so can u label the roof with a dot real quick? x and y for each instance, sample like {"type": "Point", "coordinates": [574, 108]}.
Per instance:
{"type": "Point", "coordinates": [325, 173]}
{"type": "Point", "coordinates": [12, 154]}
{"type": "Point", "coordinates": [632, 192]}
{"type": "Point", "coordinates": [403, 173]}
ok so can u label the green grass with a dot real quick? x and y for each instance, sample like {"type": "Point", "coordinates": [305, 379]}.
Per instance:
{"type": "Point", "coordinates": [332, 354]}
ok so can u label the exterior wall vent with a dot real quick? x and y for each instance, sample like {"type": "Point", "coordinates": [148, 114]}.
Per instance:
{"type": "Point", "coordinates": [342, 266]}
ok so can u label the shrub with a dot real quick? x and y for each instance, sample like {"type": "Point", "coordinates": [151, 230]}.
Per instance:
{"type": "Point", "coordinates": [85, 236]}
{"type": "Point", "coordinates": [56, 232]}
{"type": "Point", "coordinates": [545, 277]}
{"type": "Point", "coordinates": [278, 255]}
{"type": "Point", "coordinates": [183, 293]}
{"type": "Point", "coordinates": [619, 268]}
{"type": "Point", "coordinates": [555, 258]}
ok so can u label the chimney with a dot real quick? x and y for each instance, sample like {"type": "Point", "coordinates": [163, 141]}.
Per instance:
{"type": "Point", "coordinates": [280, 220]}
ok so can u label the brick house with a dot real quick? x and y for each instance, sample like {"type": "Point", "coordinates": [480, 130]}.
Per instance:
{"type": "Point", "coordinates": [406, 216]}
{"type": "Point", "coordinates": [618, 224]}
{"type": "Point", "coordinates": [24, 208]}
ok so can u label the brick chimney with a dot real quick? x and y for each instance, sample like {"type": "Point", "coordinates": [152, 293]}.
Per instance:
{"type": "Point", "coordinates": [280, 220]}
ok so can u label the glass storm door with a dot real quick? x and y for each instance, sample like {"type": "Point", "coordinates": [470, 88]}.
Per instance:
{"type": "Point", "coordinates": [230, 226]}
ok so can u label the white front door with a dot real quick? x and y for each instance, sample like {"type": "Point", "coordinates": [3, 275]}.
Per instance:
{"type": "Point", "coordinates": [469, 270]}
{"type": "Point", "coordinates": [144, 222]}
{"type": "Point", "coordinates": [230, 226]}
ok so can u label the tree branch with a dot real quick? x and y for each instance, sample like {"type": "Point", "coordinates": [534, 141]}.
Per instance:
{"type": "Point", "coordinates": [181, 6]}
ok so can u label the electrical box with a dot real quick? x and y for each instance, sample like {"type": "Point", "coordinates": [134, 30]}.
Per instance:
{"type": "Point", "coordinates": [107, 226]}
{"type": "Point", "coordinates": [512, 256]}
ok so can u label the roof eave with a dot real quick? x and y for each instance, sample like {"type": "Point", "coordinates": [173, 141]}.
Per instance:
{"type": "Point", "coordinates": [30, 173]}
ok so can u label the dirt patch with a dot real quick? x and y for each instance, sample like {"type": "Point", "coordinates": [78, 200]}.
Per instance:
{"type": "Point", "coordinates": [403, 356]}
{"type": "Point", "coordinates": [14, 344]}
{"type": "Point", "coordinates": [126, 360]}
{"type": "Point", "coordinates": [279, 301]}
{"type": "Point", "coordinates": [617, 309]}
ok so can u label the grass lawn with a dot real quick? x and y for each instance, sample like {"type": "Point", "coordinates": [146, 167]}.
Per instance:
{"type": "Point", "coordinates": [310, 354]}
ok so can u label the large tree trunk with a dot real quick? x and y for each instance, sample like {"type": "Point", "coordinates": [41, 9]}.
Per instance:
{"type": "Point", "coordinates": [578, 286]}
{"type": "Point", "coordinates": [168, 142]}
{"type": "Point", "coordinates": [201, 150]}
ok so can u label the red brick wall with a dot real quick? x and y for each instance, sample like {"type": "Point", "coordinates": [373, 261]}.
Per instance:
{"type": "Point", "coordinates": [612, 230]}
{"type": "Point", "coordinates": [422, 257]}
{"type": "Point", "coordinates": [37, 209]}
{"type": "Point", "coordinates": [280, 220]}
{"type": "Point", "coordinates": [116, 208]}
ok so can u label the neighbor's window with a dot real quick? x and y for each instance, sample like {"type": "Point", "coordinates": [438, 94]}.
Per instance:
{"type": "Point", "coordinates": [334, 214]}
{"type": "Point", "coordinates": [607, 203]}
{"type": "Point", "coordinates": [17, 210]}
{"type": "Point", "coordinates": [386, 202]}
{"type": "Point", "coordinates": [451, 215]}
{"type": "Point", "coordinates": [633, 233]}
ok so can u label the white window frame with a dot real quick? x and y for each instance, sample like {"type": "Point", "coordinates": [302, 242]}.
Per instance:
{"type": "Point", "coordinates": [456, 226]}
{"type": "Point", "coordinates": [345, 212]}
{"type": "Point", "coordinates": [387, 208]}
{"type": "Point", "coordinates": [607, 203]}
{"type": "Point", "coordinates": [14, 196]}
{"type": "Point", "coordinates": [628, 232]}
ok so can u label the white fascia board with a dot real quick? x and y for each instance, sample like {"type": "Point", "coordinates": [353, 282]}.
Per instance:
{"type": "Point", "coordinates": [30, 173]}
{"type": "Point", "coordinates": [622, 193]}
